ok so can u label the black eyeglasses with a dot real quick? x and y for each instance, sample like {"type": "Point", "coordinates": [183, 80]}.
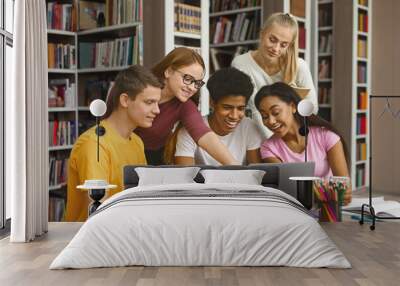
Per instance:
{"type": "Point", "coordinates": [188, 80]}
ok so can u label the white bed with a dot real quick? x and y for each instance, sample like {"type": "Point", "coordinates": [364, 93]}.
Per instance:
{"type": "Point", "coordinates": [201, 224]}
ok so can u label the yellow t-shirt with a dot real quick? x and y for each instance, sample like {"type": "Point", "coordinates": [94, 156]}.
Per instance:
{"type": "Point", "coordinates": [115, 153]}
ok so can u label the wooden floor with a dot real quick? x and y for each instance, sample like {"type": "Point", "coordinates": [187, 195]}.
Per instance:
{"type": "Point", "coordinates": [374, 255]}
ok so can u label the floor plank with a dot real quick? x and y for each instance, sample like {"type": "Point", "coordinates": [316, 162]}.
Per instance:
{"type": "Point", "coordinates": [374, 255]}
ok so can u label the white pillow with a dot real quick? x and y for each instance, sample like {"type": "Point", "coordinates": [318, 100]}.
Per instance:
{"type": "Point", "coordinates": [249, 177]}
{"type": "Point", "coordinates": [164, 176]}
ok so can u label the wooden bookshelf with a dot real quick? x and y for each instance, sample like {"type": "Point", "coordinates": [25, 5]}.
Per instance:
{"type": "Point", "coordinates": [62, 79]}
{"type": "Point", "coordinates": [325, 59]}
{"type": "Point", "coordinates": [77, 110]}
{"type": "Point", "coordinates": [301, 10]}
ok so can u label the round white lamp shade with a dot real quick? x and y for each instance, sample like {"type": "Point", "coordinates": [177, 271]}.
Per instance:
{"type": "Point", "coordinates": [98, 107]}
{"type": "Point", "coordinates": [305, 107]}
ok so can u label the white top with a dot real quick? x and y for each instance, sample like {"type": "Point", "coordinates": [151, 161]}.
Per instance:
{"type": "Point", "coordinates": [260, 78]}
{"type": "Point", "coordinates": [246, 136]}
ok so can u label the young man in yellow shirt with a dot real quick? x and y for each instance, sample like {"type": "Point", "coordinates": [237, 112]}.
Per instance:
{"type": "Point", "coordinates": [132, 102]}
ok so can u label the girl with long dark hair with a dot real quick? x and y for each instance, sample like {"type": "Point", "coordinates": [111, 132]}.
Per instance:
{"type": "Point", "coordinates": [277, 104]}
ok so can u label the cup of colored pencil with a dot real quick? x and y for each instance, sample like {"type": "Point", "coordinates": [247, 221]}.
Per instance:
{"type": "Point", "coordinates": [329, 193]}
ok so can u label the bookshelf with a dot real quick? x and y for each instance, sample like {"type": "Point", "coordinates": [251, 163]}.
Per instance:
{"type": "Point", "coordinates": [323, 75]}
{"type": "Point", "coordinates": [301, 10]}
{"type": "Point", "coordinates": [179, 23]}
{"type": "Point", "coordinates": [234, 30]}
{"type": "Point", "coordinates": [353, 83]}
{"type": "Point", "coordinates": [186, 24]}
{"type": "Point", "coordinates": [230, 35]}
{"type": "Point", "coordinates": [361, 90]}
{"type": "Point", "coordinates": [84, 55]}
{"type": "Point", "coordinates": [62, 78]}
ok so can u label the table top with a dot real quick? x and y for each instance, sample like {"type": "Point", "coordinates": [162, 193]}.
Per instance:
{"type": "Point", "coordinates": [304, 178]}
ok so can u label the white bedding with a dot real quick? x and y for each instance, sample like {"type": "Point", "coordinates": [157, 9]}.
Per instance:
{"type": "Point", "coordinates": [187, 230]}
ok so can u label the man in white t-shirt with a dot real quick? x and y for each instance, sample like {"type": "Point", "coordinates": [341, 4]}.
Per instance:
{"type": "Point", "coordinates": [230, 90]}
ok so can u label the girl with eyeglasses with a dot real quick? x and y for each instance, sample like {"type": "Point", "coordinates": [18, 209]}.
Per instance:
{"type": "Point", "coordinates": [275, 60]}
{"type": "Point", "coordinates": [182, 72]}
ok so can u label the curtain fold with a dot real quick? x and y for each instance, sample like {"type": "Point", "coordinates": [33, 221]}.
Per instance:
{"type": "Point", "coordinates": [27, 121]}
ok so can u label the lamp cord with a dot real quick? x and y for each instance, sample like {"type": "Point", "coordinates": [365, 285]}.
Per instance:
{"type": "Point", "coordinates": [97, 124]}
{"type": "Point", "coordinates": [305, 138]}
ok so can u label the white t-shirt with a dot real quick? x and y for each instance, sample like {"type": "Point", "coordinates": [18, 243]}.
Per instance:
{"type": "Point", "coordinates": [245, 136]}
{"type": "Point", "coordinates": [260, 78]}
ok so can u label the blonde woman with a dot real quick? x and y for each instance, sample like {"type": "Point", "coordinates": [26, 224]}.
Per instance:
{"type": "Point", "coordinates": [276, 59]}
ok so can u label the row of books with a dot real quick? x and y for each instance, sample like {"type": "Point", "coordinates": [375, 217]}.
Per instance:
{"type": "Point", "coordinates": [362, 48]}
{"type": "Point", "coordinates": [94, 14]}
{"type": "Point", "coordinates": [240, 28]}
{"type": "Point", "coordinates": [361, 151]}
{"type": "Point", "coordinates": [363, 2]}
{"type": "Point", "coordinates": [61, 133]}
{"type": "Point", "coordinates": [325, 43]}
{"type": "Point", "coordinates": [362, 100]}
{"type": "Point", "coordinates": [115, 53]}
{"type": "Point", "coordinates": [360, 176]}
{"type": "Point", "coordinates": [361, 73]}
{"type": "Point", "coordinates": [324, 94]}
{"type": "Point", "coordinates": [221, 58]}
{"type": "Point", "coordinates": [61, 56]}
{"type": "Point", "coordinates": [123, 11]}
{"type": "Point", "coordinates": [363, 22]}
{"type": "Point", "coordinates": [56, 208]}
{"type": "Point", "coordinates": [187, 18]}
{"type": "Point", "coordinates": [324, 69]}
{"type": "Point", "coordinates": [96, 89]}
{"type": "Point", "coordinates": [361, 125]}
{"type": "Point", "coordinates": [325, 16]}
{"type": "Point", "coordinates": [61, 16]}
{"type": "Point", "coordinates": [226, 5]}
{"type": "Point", "coordinates": [61, 93]}
{"type": "Point", "coordinates": [57, 171]}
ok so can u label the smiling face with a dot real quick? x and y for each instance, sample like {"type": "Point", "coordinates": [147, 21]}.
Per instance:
{"type": "Point", "coordinates": [144, 108]}
{"type": "Point", "coordinates": [275, 41]}
{"type": "Point", "coordinates": [177, 81]}
{"type": "Point", "coordinates": [277, 115]}
{"type": "Point", "coordinates": [228, 112]}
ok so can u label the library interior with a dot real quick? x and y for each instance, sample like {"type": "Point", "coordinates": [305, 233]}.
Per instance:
{"type": "Point", "coordinates": [58, 56]}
